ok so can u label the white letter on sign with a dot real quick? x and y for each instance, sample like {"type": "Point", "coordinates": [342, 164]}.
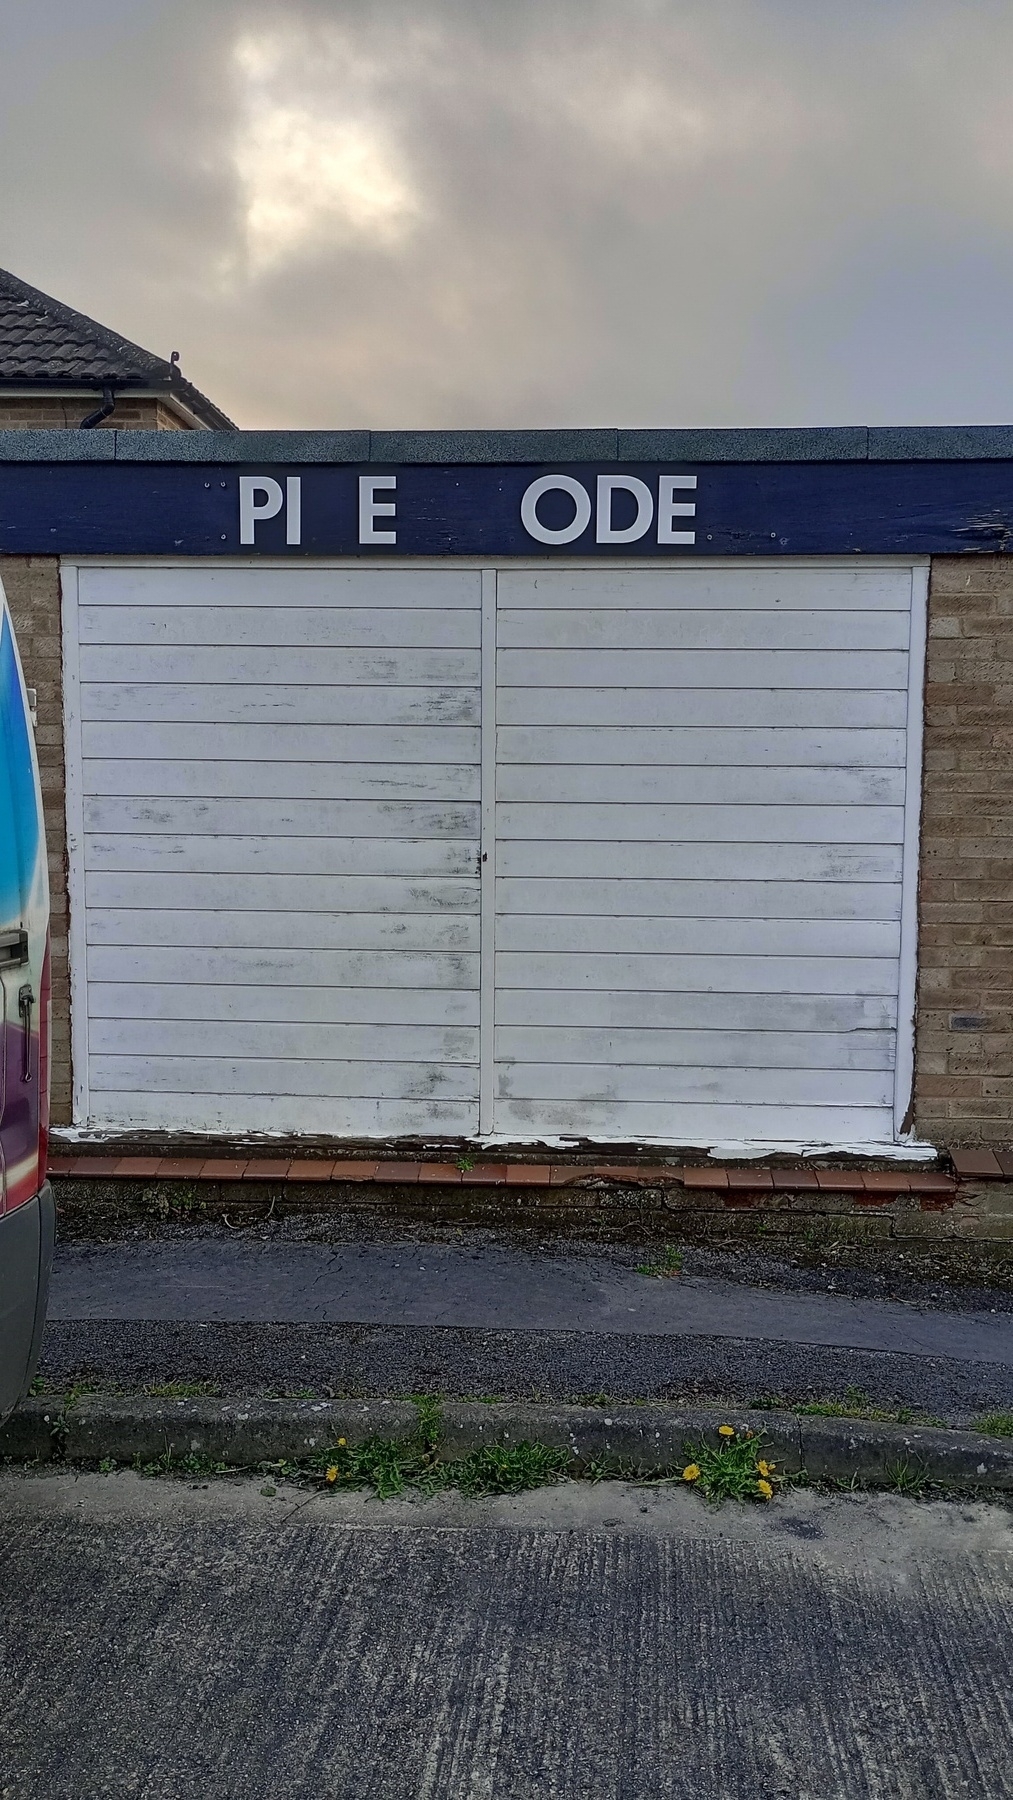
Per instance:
{"type": "Point", "coordinates": [249, 511]}
{"type": "Point", "coordinates": [566, 533]}
{"type": "Point", "coordinates": [606, 532]}
{"type": "Point", "coordinates": [669, 509]}
{"type": "Point", "coordinates": [371, 508]}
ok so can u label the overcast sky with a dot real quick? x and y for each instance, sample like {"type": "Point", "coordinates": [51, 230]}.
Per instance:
{"type": "Point", "coordinates": [528, 212]}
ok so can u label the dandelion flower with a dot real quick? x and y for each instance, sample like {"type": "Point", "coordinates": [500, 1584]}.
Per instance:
{"type": "Point", "coordinates": [341, 1443]}
{"type": "Point", "coordinates": [763, 1468]}
{"type": "Point", "coordinates": [764, 1488]}
{"type": "Point", "coordinates": [726, 1431]}
{"type": "Point", "coordinates": [332, 1473]}
{"type": "Point", "coordinates": [691, 1472]}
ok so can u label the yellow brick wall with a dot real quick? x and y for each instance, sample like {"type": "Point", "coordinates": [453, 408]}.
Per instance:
{"type": "Point", "coordinates": [32, 586]}
{"type": "Point", "coordinates": [964, 1060]}
{"type": "Point", "coordinates": [46, 412]}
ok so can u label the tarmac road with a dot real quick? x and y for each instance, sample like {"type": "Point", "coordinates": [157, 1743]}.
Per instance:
{"type": "Point", "coordinates": [583, 1643]}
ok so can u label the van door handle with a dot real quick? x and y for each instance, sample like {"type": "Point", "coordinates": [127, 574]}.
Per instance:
{"type": "Point", "coordinates": [26, 1000]}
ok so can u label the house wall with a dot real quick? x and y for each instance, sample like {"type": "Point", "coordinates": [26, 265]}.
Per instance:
{"type": "Point", "coordinates": [964, 1059]}
{"type": "Point", "coordinates": [55, 412]}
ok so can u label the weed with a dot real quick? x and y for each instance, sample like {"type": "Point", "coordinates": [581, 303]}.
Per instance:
{"type": "Point", "coordinates": [735, 1469]}
{"type": "Point", "coordinates": [907, 1476]}
{"type": "Point", "coordinates": [508, 1468]}
{"type": "Point", "coordinates": [181, 1390]}
{"type": "Point", "coordinates": [465, 1162]}
{"type": "Point", "coordinates": [855, 1405]}
{"type": "Point", "coordinates": [670, 1263]}
{"type": "Point", "coordinates": [997, 1424]}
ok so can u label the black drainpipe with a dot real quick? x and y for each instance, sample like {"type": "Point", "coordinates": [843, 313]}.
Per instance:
{"type": "Point", "coordinates": [101, 412]}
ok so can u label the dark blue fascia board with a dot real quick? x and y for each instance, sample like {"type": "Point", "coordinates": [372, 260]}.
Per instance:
{"type": "Point", "coordinates": [844, 443]}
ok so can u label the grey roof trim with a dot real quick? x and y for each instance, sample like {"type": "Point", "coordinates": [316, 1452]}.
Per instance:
{"type": "Point", "coordinates": [848, 443]}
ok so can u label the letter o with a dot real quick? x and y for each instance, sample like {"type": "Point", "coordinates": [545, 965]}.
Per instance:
{"type": "Point", "coordinates": [566, 533]}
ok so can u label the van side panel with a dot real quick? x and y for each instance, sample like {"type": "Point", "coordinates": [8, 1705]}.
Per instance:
{"type": "Point", "coordinates": [24, 908]}
{"type": "Point", "coordinates": [26, 1254]}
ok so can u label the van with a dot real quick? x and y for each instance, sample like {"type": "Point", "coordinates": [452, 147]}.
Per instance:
{"type": "Point", "coordinates": [27, 1211]}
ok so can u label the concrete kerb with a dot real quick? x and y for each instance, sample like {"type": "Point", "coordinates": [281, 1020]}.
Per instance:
{"type": "Point", "coordinates": [124, 1429]}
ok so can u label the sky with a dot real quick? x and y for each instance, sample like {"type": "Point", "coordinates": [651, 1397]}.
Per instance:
{"type": "Point", "coordinates": [424, 213]}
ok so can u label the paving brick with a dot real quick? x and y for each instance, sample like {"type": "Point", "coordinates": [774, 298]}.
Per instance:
{"type": "Point", "coordinates": [840, 1181]}
{"type": "Point", "coordinates": [982, 1165]}
{"type": "Point", "coordinates": [528, 1174]}
{"type": "Point", "coordinates": [749, 1180]}
{"type": "Point", "coordinates": [311, 1168]}
{"type": "Point", "coordinates": [267, 1168]}
{"type": "Point", "coordinates": [180, 1168]}
{"type": "Point", "coordinates": [886, 1181]}
{"type": "Point", "coordinates": [137, 1165]}
{"type": "Point", "coordinates": [794, 1181]}
{"type": "Point", "coordinates": [486, 1174]}
{"type": "Point", "coordinates": [370, 1171]}
{"type": "Point", "coordinates": [390, 1171]}
{"type": "Point", "coordinates": [223, 1168]}
{"type": "Point", "coordinates": [705, 1178]}
{"type": "Point", "coordinates": [440, 1172]}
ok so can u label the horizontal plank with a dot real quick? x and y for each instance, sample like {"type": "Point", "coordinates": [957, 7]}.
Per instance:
{"type": "Point", "coordinates": [698, 973]}
{"type": "Point", "coordinates": [758, 785]}
{"type": "Point", "coordinates": [861, 669]}
{"type": "Point", "coordinates": [239, 703]}
{"type": "Point", "coordinates": [356, 744]}
{"type": "Point", "coordinates": [615, 824]}
{"type": "Point", "coordinates": [728, 1086]}
{"type": "Point", "coordinates": [632, 1045]}
{"type": "Point", "coordinates": [634, 707]}
{"type": "Point", "coordinates": [282, 819]}
{"type": "Point", "coordinates": [283, 1040]}
{"type": "Point", "coordinates": [309, 665]}
{"type": "Point", "coordinates": [283, 781]}
{"type": "Point", "coordinates": [279, 895]}
{"type": "Point", "coordinates": [781, 587]}
{"type": "Point", "coordinates": [219, 855]}
{"type": "Point", "coordinates": [415, 933]}
{"type": "Point", "coordinates": [658, 746]}
{"type": "Point", "coordinates": [692, 1122]}
{"type": "Point", "coordinates": [280, 967]}
{"type": "Point", "coordinates": [681, 1010]}
{"type": "Point", "coordinates": [253, 1075]}
{"type": "Point", "coordinates": [590, 936]}
{"type": "Point", "coordinates": [641, 629]}
{"type": "Point", "coordinates": [237, 1114]}
{"type": "Point", "coordinates": [346, 628]}
{"type": "Point", "coordinates": [256, 1003]}
{"type": "Point", "coordinates": [297, 584]}
{"type": "Point", "coordinates": [699, 860]}
{"type": "Point", "coordinates": [628, 898]}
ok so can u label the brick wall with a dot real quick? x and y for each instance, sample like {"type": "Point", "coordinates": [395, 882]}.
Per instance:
{"type": "Point", "coordinates": [32, 586]}
{"type": "Point", "coordinates": [964, 1061]}
{"type": "Point", "coordinates": [44, 412]}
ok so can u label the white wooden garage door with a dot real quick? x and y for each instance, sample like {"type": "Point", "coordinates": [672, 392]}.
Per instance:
{"type": "Point", "coordinates": [688, 915]}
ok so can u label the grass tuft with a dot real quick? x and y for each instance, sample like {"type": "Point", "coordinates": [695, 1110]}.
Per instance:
{"type": "Point", "coordinates": [669, 1264]}
{"type": "Point", "coordinates": [997, 1424]}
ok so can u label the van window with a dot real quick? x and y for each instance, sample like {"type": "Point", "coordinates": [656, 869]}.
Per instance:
{"type": "Point", "coordinates": [19, 820]}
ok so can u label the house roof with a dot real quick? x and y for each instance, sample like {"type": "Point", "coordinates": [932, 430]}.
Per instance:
{"type": "Point", "coordinates": [45, 344]}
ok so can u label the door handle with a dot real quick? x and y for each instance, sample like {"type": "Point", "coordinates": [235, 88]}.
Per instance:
{"type": "Point", "coordinates": [26, 1000]}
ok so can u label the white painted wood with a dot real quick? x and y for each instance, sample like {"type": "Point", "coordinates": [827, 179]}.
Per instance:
{"type": "Point", "coordinates": [609, 897]}
{"type": "Point", "coordinates": [357, 744]}
{"type": "Point", "coordinates": [259, 930]}
{"type": "Point", "coordinates": [360, 628]}
{"type": "Point", "coordinates": [858, 669]}
{"type": "Point", "coordinates": [350, 857]}
{"type": "Point", "coordinates": [635, 707]}
{"type": "Point", "coordinates": [680, 1009]}
{"type": "Point", "coordinates": [693, 1122]}
{"type": "Point", "coordinates": [282, 895]}
{"type": "Point", "coordinates": [328, 1117]}
{"type": "Point", "coordinates": [780, 747]}
{"type": "Point", "coordinates": [712, 629]}
{"type": "Point", "coordinates": [612, 824]}
{"type": "Point", "coordinates": [773, 861]}
{"type": "Point", "coordinates": [908, 980]}
{"type": "Point", "coordinates": [629, 1046]}
{"type": "Point", "coordinates": [676, 1084]}
{"type": "Point", "coordinates": [708, 786]}
{"type": "Point", "coordinates": [767, 587]}
{"type": "Point", "coordinates": [584, 934]}
{"type": "Point", "coordinates": [77, 946]}
{"type": "Point", "coordinates": [487, 1014]}
{"type": "Point", "coordinates": [701, 973]}
{"type": "Point", "coordinates": [286, 1039]}
{"type": "Point", "coordinates": [281, 780]}
{"type": "Point", "coordinates": [253, 1003]}
{"type": "Point", "coordinates": [266, 663]}
{"type": "Point", "coordinates": [350, 821]}
{"type": "Point", "coordinates": [215, 585]}
{"type": "Point", "coordinates": [254, 1075]}
{"type": "Point", "coordinates": [238, 703]}
{"type": "Point", "coordinates": [283, 967]}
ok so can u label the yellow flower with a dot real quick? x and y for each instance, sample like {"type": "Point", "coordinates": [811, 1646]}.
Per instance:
{"type": "Point", "coordinates": [341, 1443]}
{"type": "Point", "coordinates": [691, 1472]}
{"type": "Point", "coordinates": [726, 1431]}
{"type": "Point", "coordinates": [764, 1468]}
{"type": "Point", "coordinates": [764, 1488]}
{"type": "Point", "coordinates": [332, 1473]}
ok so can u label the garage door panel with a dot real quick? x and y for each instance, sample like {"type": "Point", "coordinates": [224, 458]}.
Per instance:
{"type": "Point", "coordinates": [257, 584]}
{"type": "Point", "coordinates": [709, 630]}
{"type": "Point", "coordinates": [350, 858]}
{"type": "Point", "coordinates": [254, 1004]}
{"type": "Point", "coordinates": [270, 665]}
{"type": "Point", "coordinates": [568, 896]}
{"type": "Point", "coordinates": [783, 669]}
{"type": "Point", "coordinates": [343, 627]}
{"type": "Point", "coordinates": [753, 707]}
{"type": "Point", "coordinates": [831, 1015]}
{"type": "Point", "coordinates": [609, 825]}
{"type": "Point", "coordinates": [661, 747]}
{"type": "Point", "coordinates": [262, 743]}
{"type": "Point", "coordinates": [694, 1122]}
{"type": "Point", "coordinates": [276, 967]}
{"type": "Point", "coordinates": [770, 589]}
{"type": "Point", "coordinates": [634, 1046]}
{"type": "Point", "coordinates": [285, 1040]}
{"type": "Point", "coordinates": [347, 821]}
{"type": "Point", "coordinates": [278, 704]}
{"type": "Point", "coordinates": [701, 973]}
{"type": "Point", "coordinates": [586, 934]}
{"type": "Point", "coordinates": [280, 780]}
{"type": "Point", "coordinates": [279, 1076]}
{"type": "Point", "coordinates": [281, 895]}
{"type": "Point", "coordinates": [679, 1083]}
{"type": "Point", "coordinates": [758, 785]}
{"type": "Point", "coordinates": [328, 1117]}
{"type": "Point", "coordinates": [797, 863]}
{"type": "Point", "coordinates": [416, 933]}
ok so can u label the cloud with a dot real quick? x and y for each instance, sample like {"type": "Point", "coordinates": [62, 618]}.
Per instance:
{"type": "Point", "coordinates": [441, 212]}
